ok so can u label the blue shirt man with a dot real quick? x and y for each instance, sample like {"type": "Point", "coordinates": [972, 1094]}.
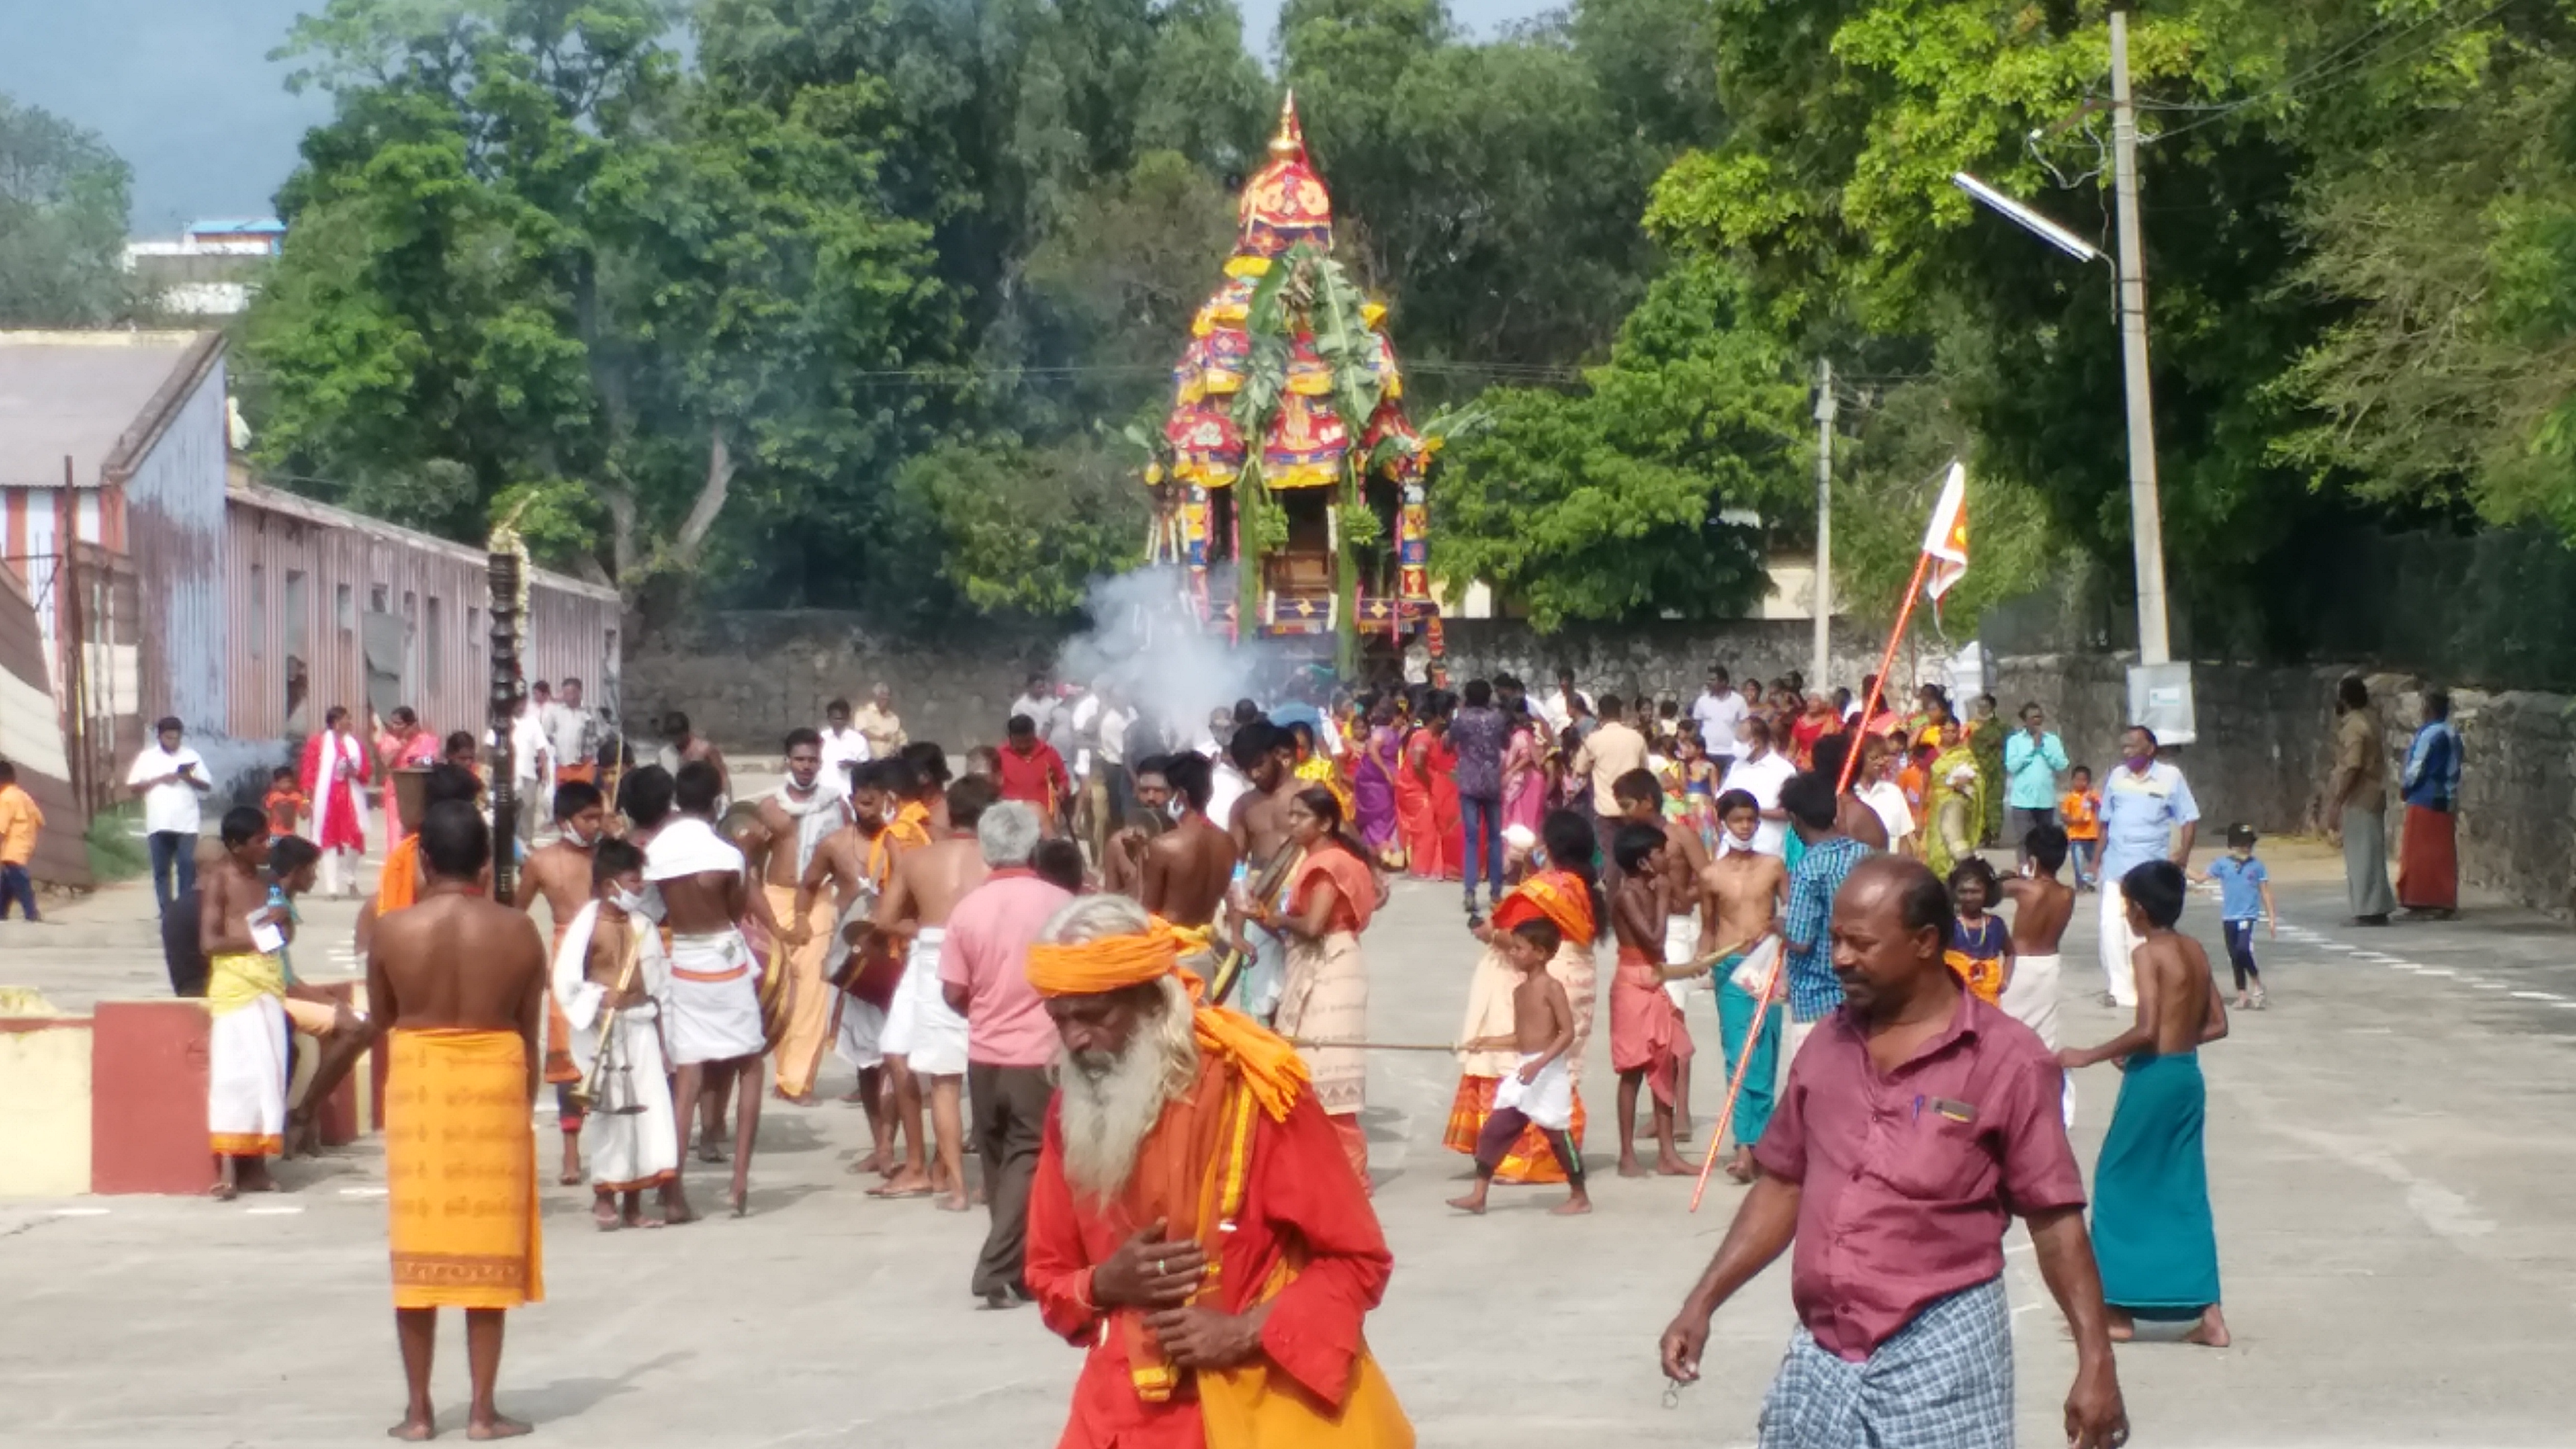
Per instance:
{"type": "Point", "coordinates": [2144, 803]}
{"type": "Point", "coordinates": [2033, 759]}
{"type": "Point", "coordinates": [1813, 882]}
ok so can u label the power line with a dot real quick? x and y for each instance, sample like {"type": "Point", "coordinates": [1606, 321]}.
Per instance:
{"type": "Point", "coordinates": [2348, 72]}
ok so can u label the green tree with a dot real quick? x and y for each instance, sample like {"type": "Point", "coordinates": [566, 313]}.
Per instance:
{"type": "Point", "coordinates": [63, 198]}
{"type": "Point", "coordinates": [1026, 531]}
{"type": "Point", "coordinates": [1608, 504]}
{"type": "Point", "coordinates": [531, 264]}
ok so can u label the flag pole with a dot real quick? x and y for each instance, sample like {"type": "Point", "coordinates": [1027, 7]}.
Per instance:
{"type": "Point", "coordinates": [1886, 662]}
{"type": "Point", "coordinates": [1851, 760]}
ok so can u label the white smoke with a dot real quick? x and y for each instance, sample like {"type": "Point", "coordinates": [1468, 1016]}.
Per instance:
{"type": "Point", "coordinates": [1146, 643]}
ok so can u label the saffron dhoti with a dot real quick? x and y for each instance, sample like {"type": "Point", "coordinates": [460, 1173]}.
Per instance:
{"type": "Point", "coordinates": [809, 1001]}
{"type": "Point", "coordinates": [461, 1170]}
{"type": "Point", "coordinates": [1646, 1030]}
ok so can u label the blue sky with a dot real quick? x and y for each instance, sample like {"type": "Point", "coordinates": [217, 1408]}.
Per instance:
{"type": "Point", "coordinates": [184, 91]}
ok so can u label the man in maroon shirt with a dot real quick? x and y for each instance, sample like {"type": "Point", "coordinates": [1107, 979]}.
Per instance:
{"type": "Point", "coordinates": [1916, 1123]}
{"type": "Point", "coordinates": [1033, 773]}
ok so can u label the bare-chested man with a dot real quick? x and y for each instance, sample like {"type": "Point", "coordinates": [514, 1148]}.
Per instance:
{"type": "Point", "coordinates": [2152, 1230]}
{"type": "Point", "coordinates": [2042, 905]}
{"type": "Point", "coordinates": [1641, 799]}
{"type": "Point", "coordinates": [795, 820]}
{"type": "Point", "coordinates": [685, 745]}
{"type": "Point", "coordinates": [560, 874]}
{"type": "Point", "coordinates": [458, 983]}
{"type": "Point", "coordinates": [714, 1026]}
{"type": "Point", "coordinates": [1746, 890]}
{"type": "Point", "coordinates": [245, 995]}
{"type": "Point", "coordinates": [1267, 756]}
{"type": "Point", "coordinates": [925, 1038]}
{"type": "Point", "coordinates": [855, 862]}
{"type": "Point", "coordinates": [1122, 860]}
{"type": "Point", "coordinates": [1189, 867]}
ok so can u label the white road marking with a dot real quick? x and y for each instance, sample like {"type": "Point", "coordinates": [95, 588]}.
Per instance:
{"type": "Point", "coordinates": [362, 1192]}
{"type": "Point", "coordinates": [273, 1212]}
{"type": "Point", "coordinates": [2490, 986]}
{"type": "Point", "coordinates": [2538, 995]}
{"type": "Point", "coordinates": [2564, 1005]}
{"type": "Point", "coordinates": [80, 1212]}
{"type": "Point", "coordinates": [2450, 1215]}
{"type": "Point", "coordinates": [2437, 971]}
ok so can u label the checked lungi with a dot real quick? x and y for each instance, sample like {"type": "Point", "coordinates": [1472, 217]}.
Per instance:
{"type": "Point", "coordinates": [1945, 1381]}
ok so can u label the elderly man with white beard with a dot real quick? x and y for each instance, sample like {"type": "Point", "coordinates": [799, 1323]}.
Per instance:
{"type": "Point", "coordinates": [1195, 1226]}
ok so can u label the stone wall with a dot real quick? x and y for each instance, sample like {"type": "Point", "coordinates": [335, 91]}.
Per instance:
{"type": "Point", "coordinates": [746, 678]}
{"type": "Point", "coordinates": [2264, 755]}
{"type": "Point", "coordinates": [1667, 660]}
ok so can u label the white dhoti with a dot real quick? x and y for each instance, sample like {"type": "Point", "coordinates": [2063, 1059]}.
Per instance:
{"type": "Point", "coordinates": [633, 1142]}
{"type": "Point", "coordinates": [1547, 1100]}
{"type": "Point", "coordinates": [919, 1026]}
{"type": "Point", "coordinates": [715, 999]}
{"type": "Point", "coordinates": [2031, 999]}
{"type": "Point", "coordinates": [629, 1130]}
{"type": "Point", "coordinates": [246, 1079]}
{"type": "Point", "coordinates": [860, 1040]}
{"type": "Point", "coordinates": [1681, 947]}
{"type": "Point", "coordinates": [2119, 944]}
{"type": "Point", "coordinates": [2031, 996]}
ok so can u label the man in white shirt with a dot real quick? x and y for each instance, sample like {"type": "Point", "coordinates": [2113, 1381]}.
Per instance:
{"type": "Point", "coordinates": [845, 747]}
{"type": "Point", "coordinates": [170, 777]}
{"type": "Point", "coordinates": [1718, 711]}
{"type": "Point", "coordinates": [1760, 771]}
{"type": "Point", "coordinates": [1037, 702]}
{"type": "Point", "coordinates": [572, 734]}
{"type": "Point", "coordinates": [1558, 706]}
{"type": "Point", "coordinates": [532, 764]}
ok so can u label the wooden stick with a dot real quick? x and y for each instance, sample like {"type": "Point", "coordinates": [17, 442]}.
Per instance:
{"type": "Point", "coordinates": [1851, 762]}
{"type": "Point", "coordinates": [1376, 1046]}
{"type": "Point", "coordinates": [1886, 662]}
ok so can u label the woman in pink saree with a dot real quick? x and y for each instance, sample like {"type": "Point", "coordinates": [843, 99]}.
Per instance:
{"type": "Point", "coordinates": [1373, 782]}
{"type": "Point", "coordinates": [1524, 778]}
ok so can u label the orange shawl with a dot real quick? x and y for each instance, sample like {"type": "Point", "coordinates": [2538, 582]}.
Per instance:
{"type": "Point", "coordinates": [1559, 895]}
{"type": "Point", "coordinates": [1351, 879]}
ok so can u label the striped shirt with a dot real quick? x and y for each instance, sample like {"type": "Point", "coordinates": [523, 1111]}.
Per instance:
{"type": "Point", "coordinates": [1813, 882]}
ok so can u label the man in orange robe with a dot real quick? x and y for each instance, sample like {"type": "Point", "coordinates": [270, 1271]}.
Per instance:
{"type": "Point", "coordinates": [1195, 1226]}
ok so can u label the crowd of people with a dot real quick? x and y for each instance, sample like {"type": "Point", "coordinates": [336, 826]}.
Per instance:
{"type": "Point", "coordinates": [1121, 965]}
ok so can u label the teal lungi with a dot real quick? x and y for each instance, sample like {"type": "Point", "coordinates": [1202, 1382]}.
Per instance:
{"type": "Point", "coordinates": [2152, 1231]}
{"type": "Point", "coordinates": [1735, 1008]}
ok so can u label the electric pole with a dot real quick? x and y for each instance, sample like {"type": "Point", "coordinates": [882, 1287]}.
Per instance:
{"type": "Point", "coordinates": [1824, 591]}
{"type": "Point", "coordinates": [2146, 513]}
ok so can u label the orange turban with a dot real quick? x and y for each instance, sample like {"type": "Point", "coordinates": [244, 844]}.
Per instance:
{"type": "Point", "coordinates": [1271, 1067]}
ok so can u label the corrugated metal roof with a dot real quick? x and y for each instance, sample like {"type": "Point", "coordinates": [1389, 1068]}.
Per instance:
{"type": "Point", "coordinates": [296, 505]}
{"type": "Point", "coordinates": [98, 398]}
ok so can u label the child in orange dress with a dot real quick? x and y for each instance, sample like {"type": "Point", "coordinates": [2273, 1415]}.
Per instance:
{"type": "Point", "coordinates": [285, 803]}
{"type": "Point", "coordinates": [2081, 810]}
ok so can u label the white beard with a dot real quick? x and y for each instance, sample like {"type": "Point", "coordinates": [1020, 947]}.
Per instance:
{"type": "Point", "coordinates": [1106, 1109]}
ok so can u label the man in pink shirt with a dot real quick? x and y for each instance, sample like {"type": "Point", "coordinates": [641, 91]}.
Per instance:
{"type": "Point", "coordinates": [1010, 1040]}
{"type": "Point", "coordinates": [1914, 1126]}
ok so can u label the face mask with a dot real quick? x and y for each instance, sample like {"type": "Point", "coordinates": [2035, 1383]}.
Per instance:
{"type": "Point", "coordinates": [2138, 763]}
{"type": "Point", "coordinates": [1176, 809]}
{"type": "Point", "coordinates": [626, 900]}
{"type": "Point", "coordinates": [1538, 857]}
{"type": "Point", "coordinates": [575, 837]}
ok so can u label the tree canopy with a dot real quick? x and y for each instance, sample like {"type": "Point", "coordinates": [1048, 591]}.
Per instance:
{"type": "Point", "coordinates": [62, 224]}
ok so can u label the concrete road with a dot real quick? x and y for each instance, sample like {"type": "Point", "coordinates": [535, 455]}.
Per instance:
{"type": "Point", "coordinates": [2389, 1151]}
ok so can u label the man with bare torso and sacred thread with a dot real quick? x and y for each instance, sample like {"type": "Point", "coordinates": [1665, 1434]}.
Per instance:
{"type": "Point", "coordinates": [1189, 867]}
{"type": "Point", "coordinates": [855, 862]}
{"type": "Point", "coordinates": [795, 820]}
{"type": "Point", "coordinates": [925, 1038]}
{"type": "Point", "coordinates": [714, 1025]}
{"type": "Point", "coordinates": [560, 873]}
{"type": "Point", "coordinates": [1195, 1226]}
{"type": "Point", "coordinates": [458, 985]}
